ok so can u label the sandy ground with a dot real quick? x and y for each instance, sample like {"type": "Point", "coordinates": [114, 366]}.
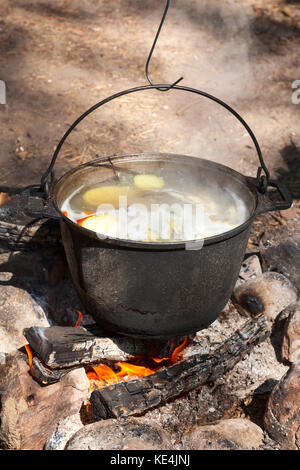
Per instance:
{"type": "Point", "coordinates": [59, 58]}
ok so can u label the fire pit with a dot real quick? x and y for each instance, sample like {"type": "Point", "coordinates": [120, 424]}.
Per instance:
{"type": "Point", "coordinates": [121, 389]}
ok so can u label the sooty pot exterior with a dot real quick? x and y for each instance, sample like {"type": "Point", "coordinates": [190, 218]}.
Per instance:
{"type": "Point", "coordinates": [154, 289]}
{"type": "Point", "coordinates": [150, 293]}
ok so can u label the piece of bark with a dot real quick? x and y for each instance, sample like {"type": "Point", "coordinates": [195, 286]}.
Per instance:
{"type": "Point", "coordinates": [228, 434]}
{"type": "Point", "coordinates": [30, 412]}
{"type": "Point", "coordinates": [290, 350]}
{"type": "Point", "coordinates": [282, 418]}
{"type": "Point", "coordinates": [20, 232]}
{"type": "Point", "coordinates": [45, 376]}
{"type": "Point", "coordinates": [63, 347]}
{"type": "Point", "coordinates": [137, 396]}
{"type": "Point", "coordinates": [268, 294]}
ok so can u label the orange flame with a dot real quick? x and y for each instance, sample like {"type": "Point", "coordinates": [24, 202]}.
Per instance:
{"type": "Point", "coordinates": [158, 360]}
{"type": "Point", "coordinates": [102, 375]}
{"type": "Point", "coordinates": [79, 319]}
{"type": "Point", "coordinates": [174, 357]}
{"type": "Point", "coordinates": [131, 370]}
{"type": "Point", "coordinates": [29, 354]}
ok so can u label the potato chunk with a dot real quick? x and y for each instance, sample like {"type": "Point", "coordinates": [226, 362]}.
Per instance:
{"type": "Point", "coordinates": [106, 195]}
{"type": "Point", "coordinates": [149, 182]}
{"type": "Point", "coordinates": [105, 224]}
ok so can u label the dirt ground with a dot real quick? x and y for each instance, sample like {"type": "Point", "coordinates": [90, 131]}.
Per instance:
{"type": "Point", "coordinates": [59, 58]}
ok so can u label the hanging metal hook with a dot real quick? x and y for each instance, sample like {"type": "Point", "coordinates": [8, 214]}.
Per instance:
{"type": "Point", "coordinates": [152, 49]}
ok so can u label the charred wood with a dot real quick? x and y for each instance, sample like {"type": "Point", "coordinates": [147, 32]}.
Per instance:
{"type": "Point", "coordinates": [43, 375]}
{"type": "Point", "coordinates": [137, 396]}
{"type": "Point", "coordinates": [60, 347]}
{"type": "Point", "coordinates": [20, 232]}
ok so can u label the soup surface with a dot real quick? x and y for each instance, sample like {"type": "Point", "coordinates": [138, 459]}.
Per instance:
{"type": "Point", "coordinates": [155, 208]}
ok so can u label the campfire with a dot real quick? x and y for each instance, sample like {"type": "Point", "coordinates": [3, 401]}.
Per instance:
{"type": "Point", "coordinates": [102, 375]}
{"type": "Point", "coordinates": [109, 373]}
{"type": "Point", "coordinates": [118, 388]}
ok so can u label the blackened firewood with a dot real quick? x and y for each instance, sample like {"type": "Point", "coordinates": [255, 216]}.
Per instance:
{"type": "Point", "coordinates": [20, 232]}
{"type": "Point", "coordinates": [45, 376]}
{"type": "Point", "coordinates": [137, 396]}
{"type": "Point", "coordinates": [59, 346]}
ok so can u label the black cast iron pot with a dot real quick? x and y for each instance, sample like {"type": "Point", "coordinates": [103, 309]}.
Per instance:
{"type": "Point", "coordinates": [147, 289]}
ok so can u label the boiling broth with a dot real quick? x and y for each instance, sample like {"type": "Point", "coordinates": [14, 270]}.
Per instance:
{"type": "Point", "coordinates": [155, 208]}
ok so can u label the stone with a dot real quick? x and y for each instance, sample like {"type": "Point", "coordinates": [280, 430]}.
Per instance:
{"type": "Point", "coordinates": [42, 273]}
{"type": "Point", "coordinates": [251, 268]}
{"type": "Point", "coordinates": [290, 351]}
{"type": "Point", "coordinates": [280, 250]}
{"type": "Point", "coordinates": [124, 434]}
{"type": "Point", "coordinates": [228, 434]}
{"type": "Point", "coordinates": [64, 430]}
{"type": "Point", "coordinates": [18, 310]}
{"type": "Point", "coordinates": [268, 294]}
{"type": "Point", "coordinates": [30, 412]}
{"type": "Point", "coordinates": [282, 417]}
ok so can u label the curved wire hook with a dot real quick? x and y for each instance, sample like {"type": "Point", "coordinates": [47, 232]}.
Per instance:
{"type": "Point", "coordinates": [152, 49]}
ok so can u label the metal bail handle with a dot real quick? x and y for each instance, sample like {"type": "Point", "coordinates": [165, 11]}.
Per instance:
{"type": "Point", "coordinates": [262, 179]}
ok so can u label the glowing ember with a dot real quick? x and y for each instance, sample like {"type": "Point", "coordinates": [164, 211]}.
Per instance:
{"type": "Point", "coordinates": [100, 376]}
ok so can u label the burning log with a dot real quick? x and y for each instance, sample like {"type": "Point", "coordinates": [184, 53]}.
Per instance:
{"type": "Point", "coordinates": [46, 376]}
{"type": "Point", "coordinates": [137, 396]}
{"type": "Point", "coordinates": [60, 347]}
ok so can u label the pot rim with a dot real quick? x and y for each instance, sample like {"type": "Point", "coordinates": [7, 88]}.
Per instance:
{"type": "Point", "coordinates": [159, 246]}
